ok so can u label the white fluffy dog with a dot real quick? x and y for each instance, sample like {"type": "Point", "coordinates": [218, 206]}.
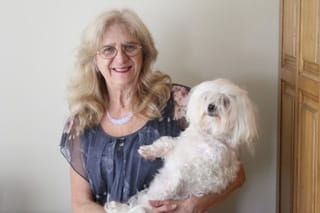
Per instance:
{"type": "Point", "coordinates": [205, 157]}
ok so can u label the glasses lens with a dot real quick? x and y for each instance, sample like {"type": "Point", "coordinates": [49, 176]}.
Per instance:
{"type": "Point", "coordinates": [108, 51]}
{"type": "Point", "coordinates": [131, 49]}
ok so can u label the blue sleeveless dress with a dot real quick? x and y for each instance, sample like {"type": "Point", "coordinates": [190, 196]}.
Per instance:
{"type": "Point", "coordinates": [112, 165]}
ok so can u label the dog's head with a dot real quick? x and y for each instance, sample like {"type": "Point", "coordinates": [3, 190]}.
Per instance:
{"type": "Point", "coordinates": [222, 109]}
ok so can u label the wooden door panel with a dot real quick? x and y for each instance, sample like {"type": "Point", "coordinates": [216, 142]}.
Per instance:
{"type": "Point", "coordinates": [289, 41]}
{"type": "Point", "coordinates": [300, 105]}
{"type": "Point", "coordinates": [308, 85]}
{"type": "Point", "coordinates": [288, 74]}
{"type": "Point", "coordinates": [310, 39]}
{"type": "Point", "coordinates": [289, 23]}
{"type": "Point", "coordinates": [307, 161]}
{"type": "Point", "coordinates": [310, 29]}
{"type": "Point", "coordinates": [286, 146]}
{"type": "Point", "coordinates": [307, 154]}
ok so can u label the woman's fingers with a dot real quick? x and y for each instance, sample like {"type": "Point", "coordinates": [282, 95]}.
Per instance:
{"type": "Point", "coordinates": [163, 206]}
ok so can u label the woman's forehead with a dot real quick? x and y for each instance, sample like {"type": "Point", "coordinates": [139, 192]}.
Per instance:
{"type": "Point", "coordinates": [119, 32]}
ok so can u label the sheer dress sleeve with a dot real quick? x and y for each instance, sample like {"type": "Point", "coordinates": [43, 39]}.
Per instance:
{"type": "Point", "coordinates": [70, 147]}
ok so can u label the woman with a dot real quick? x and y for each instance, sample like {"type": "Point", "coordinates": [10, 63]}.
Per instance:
{"type": "Point", "coordinates": [118, 104]}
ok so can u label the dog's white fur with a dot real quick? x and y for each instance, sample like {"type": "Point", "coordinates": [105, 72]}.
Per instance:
{"type": "Point", "coordinates": [205, 157]}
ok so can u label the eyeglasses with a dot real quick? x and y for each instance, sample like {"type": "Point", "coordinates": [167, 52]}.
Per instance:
{"type": "Point", "coordinates": [108, 51]}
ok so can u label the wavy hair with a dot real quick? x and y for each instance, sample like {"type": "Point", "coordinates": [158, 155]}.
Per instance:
{"type": "Point", "coordinates": [87, 92]}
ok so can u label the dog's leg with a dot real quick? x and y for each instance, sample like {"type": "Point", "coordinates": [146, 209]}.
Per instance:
{"type": "Point", "coordinates": [166, 185]}
{"type": "Point", "coordinates": [159, 148]}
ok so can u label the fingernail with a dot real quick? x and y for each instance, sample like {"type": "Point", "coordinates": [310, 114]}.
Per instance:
{"type": "Point", "coordinates": [173, 206]}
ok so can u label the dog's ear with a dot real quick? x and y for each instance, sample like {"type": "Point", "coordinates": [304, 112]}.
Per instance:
{"type": "Point", "coordinates": [245, 128]}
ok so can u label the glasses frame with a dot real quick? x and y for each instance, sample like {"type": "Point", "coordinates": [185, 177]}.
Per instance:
{"type": "Point", "coordinates": [123, 46]}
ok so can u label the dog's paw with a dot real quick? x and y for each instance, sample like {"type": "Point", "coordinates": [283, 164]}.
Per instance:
{"type": "Point", "coordinates": [148, 152]}
{"type": "Point", "coordinates": [138, 209]}
{"type": "Point", "coordinates": [115, 207]}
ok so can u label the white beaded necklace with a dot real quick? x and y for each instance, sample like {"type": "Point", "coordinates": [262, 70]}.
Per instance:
{"type": "Point", "coordinates": [120, 121]}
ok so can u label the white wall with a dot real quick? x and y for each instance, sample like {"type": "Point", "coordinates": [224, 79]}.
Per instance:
{"type": "Point", "coordinates": [197, 40]}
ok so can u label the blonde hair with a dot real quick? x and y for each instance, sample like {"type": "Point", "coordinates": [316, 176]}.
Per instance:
{"type": "Point", "coordinates": [87, 91]}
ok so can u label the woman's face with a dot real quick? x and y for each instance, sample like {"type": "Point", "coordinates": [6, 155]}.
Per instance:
{"type": "Point", "coordinates": [123, 64]}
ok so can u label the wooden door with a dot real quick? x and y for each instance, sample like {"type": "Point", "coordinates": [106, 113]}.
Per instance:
{"type": "Point", "coordinates": [299, 170]}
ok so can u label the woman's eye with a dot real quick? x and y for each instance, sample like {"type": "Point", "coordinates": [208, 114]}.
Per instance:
{"type": "Point", "coordinates": [212, 108]}
{"type": "Point", "coordinates": [130, 47]}
{"type": "Point", "coordinates": [108, 50]}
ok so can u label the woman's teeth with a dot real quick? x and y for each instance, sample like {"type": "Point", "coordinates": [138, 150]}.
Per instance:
{"type": "Point", "coordinates": [121, 69]}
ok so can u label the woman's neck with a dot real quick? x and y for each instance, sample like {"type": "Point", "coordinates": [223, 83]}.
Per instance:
{"type": "Point", "coordinates": [120, 102]}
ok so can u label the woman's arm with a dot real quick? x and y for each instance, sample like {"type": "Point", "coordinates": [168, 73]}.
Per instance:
{"type": "Point", "coordinates": [81, 196]}
{"type": "Point", "coordinates": [198, 204]}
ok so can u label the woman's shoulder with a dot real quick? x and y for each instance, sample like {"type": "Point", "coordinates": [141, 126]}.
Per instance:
{"type": "Point", "coordinates": [69, 134]}
{"type": "Point", "coordinates": [71, 126]}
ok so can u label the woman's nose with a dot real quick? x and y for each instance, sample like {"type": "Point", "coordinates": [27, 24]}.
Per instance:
{"type": "Point", "coordinates": [120, 55]}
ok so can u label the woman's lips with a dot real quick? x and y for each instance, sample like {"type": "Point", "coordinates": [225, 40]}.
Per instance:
{"type": "Point", "coordinates": [121, 69]}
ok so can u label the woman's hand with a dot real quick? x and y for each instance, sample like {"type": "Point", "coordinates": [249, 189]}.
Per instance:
{"type": "Point", "coordinates": [190, 205]}
{"type": "Point", "coordinates": [198, 204]}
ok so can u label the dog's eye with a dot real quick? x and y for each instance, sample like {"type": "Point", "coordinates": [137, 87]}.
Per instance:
{"type": "Point", "coordinates": [211, 108]}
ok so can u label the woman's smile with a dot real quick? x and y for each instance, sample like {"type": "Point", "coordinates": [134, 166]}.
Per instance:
{"type": "Point", "coordinates": [124, 69]}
